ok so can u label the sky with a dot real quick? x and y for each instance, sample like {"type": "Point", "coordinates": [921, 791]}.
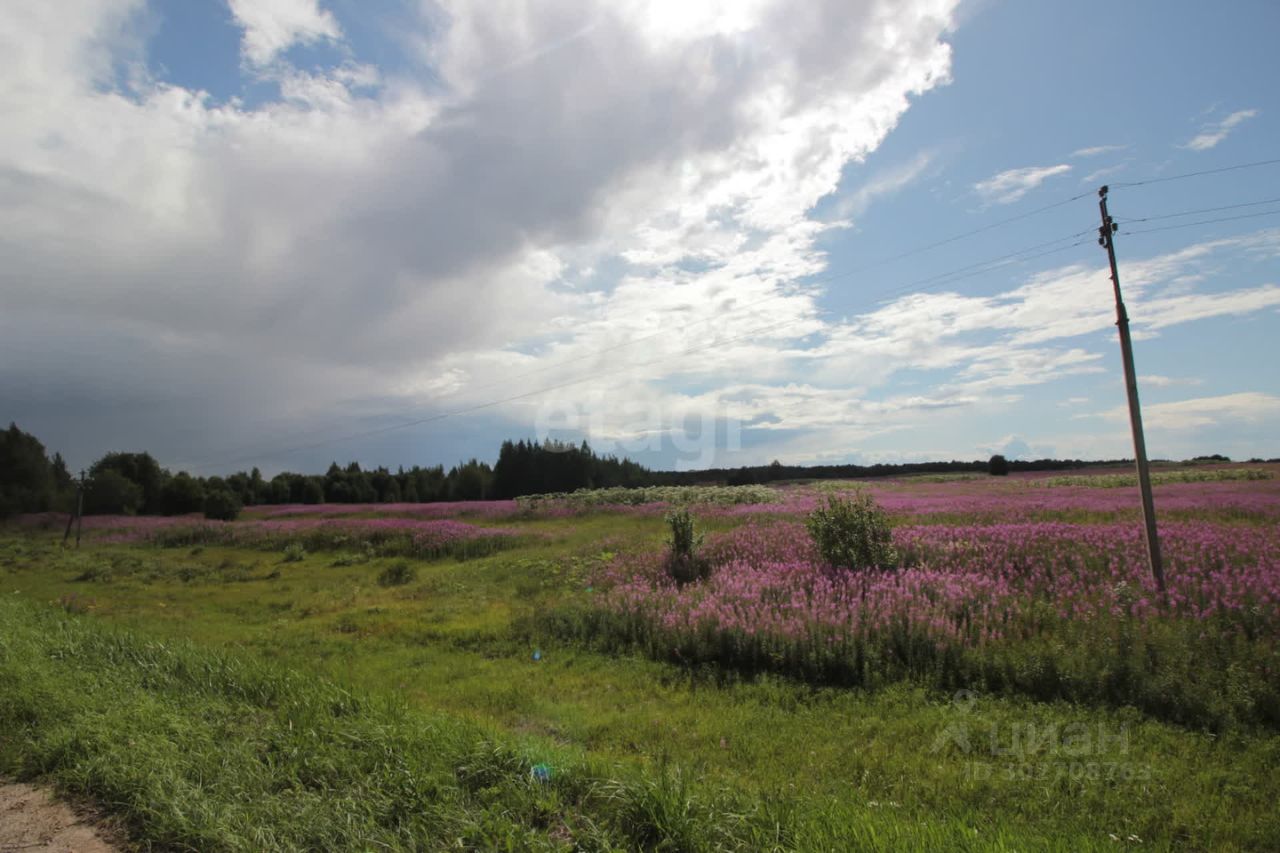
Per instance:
{"type": "Point", "coordinates": [278, 233]}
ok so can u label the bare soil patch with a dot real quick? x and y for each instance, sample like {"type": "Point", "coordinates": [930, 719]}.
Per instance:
{"type": "Point", "coordinates": [32, 820]}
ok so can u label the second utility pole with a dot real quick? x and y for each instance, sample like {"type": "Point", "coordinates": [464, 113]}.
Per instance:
{"type": "Point", "coordinates": [1105, 233]}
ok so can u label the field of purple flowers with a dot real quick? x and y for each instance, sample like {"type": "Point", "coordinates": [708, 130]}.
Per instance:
{"type": "Point", "coordinates": [1052, 609]}
{"type": "Point", "coordinates": [1031, 585]}
{"type": "Point", "coordinates": [413, 537]}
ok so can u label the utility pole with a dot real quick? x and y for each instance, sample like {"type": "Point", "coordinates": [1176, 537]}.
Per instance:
{"type": "Point", "coordinates": [79, 507]}
{"type": "Point", "coordinates": [1105, 234]}
{"type": "Point", "coordinates": [73, 517]}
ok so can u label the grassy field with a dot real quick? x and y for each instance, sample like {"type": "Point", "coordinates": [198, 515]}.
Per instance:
{"type": "Point", "coordinates": [259, 695]}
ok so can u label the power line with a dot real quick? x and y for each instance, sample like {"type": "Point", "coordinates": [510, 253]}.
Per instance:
{"type": "Point", "coordinates": [1201, 210]}
{"type": "Point", "coordinates": [1012, 257]}
{"type": "Point", "coordinates": [949, 277]}
{"type": "Point", "coordinates": [1195, 174]}
{"type": "Point", "coordinates": [948, 240]}
{"type": "Point", "coordinates": [1203, 222]}
{"type": "Point", "coordinates": [813, 281]}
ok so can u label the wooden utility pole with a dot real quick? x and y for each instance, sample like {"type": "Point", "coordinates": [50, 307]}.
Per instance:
{"type": "Point", "coordinates": [79, 507]}
{"type": "Point", "coordinates": [1105, 235]}
{"type": "Point", "coordinates": [73, 517]}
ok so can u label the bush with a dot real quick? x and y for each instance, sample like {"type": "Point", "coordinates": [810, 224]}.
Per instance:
{"type": "Point", "coordinates": [998, 466]}
{"type": "Point", "coordinates": [683, 563]}
{"type": "Point", "coordinates": [853, 533]}
{"type": "Point", "coordinates": [27, 482]}
{"type": "Point", "coordinates": [183, 494]}
{"type": "Point", "coordinates": [222, 505]}
{"type": "Point", "coordinates": [294, 553]}
{"type": "Point", "coordinates": [111, 493]}
{"type": "Point", "coordinates": [397, 574]}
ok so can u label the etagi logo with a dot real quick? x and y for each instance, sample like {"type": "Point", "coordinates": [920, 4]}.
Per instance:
{"type": "Point", "coordinates": [617, 424]}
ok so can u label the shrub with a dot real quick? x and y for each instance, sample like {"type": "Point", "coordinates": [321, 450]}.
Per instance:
{"type": "Point", "coordinates": [397, 574]}
{"type": "Point", "coordinates": [293, 553]}
{"type": "Point", "coordinates": [222, 505]}
{"type": "Point", "coordinates": [182, 494]}
{"type": "Point", "coordinates": [998, 466]}
{"type": "Point", "coordinates": [683, 563]}
{"type": "Point", "coordinates": [852, 533]}
{"type": "Point", "coordinates": [111, 493]}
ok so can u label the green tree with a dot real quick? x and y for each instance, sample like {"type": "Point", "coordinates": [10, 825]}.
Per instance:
{"type": "Point", "coordinates": [222, 505]}
{"type": "Point", "coordinates": [27, 481]}
{"type": "Point", "coordinates": [853, 533]}
{"type": "Point", "coordinates": [140, 469]}
{"type": "Point", "coordinates": [183, 494]}
{"type": "Point", "coordinates": [109, 492]}
{"type": "Point", "coordinates": [313, 490]}
{"type": "Point", "coordinates": [998, 466]}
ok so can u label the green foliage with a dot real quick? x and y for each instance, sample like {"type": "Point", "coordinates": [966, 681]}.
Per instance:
{"type": "Point", "coordinates": [222, 505]}
{"type": "Point", "coordinates": [140, 469]}
{"type": "Point", "coordinates": [1158, 478]}
{"type": "Point", "coordinates": [294, 553]}
{"type": "Point", "coordinates": [271, 759]}
{"type": "Point", "coordinates": [683, 562]}
{"type": "Point", "coordinates": [470, 481]}
{"type": "Point", "coordinates": [183, 494]}
{"type": "Point", "coordinates": [852, 533]}
{"type": "Point", "coordinates": [354, 559]}
{"type": "Point", "coordinates": [397, 574]}
{"type": "Point", "coordinates": [1174, 670]}
{"type": "Point", "coordinates": [386, 543]}
{"type": "Point", "coordinates": [675, 495]}
{"type": "Point", "coordinates": [998, 466]}
{"type": "Point", "coordinates": [111, 493]}
{"type": "Point", "coordinates": [688, 755]}
{"type": "Point", "coordinates": [27, 481]}
{"type": "Point", "coordinates": [529, 468]}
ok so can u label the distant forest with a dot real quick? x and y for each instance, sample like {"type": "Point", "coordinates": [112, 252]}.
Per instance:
{"type": "Point", "coordinates": [135, 483]}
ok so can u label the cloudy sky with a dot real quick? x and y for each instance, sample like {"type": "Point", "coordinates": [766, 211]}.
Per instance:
{"type": "Point", "coordinates": [280, 232]}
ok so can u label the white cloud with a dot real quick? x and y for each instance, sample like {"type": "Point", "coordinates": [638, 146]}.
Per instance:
{"type": "Point", "coordinates": [1095, 150]}
{"type": "Point", "coordinates": [884, 183]}
{"type": "Point", "coordinates": [371, 247]}
{"type": "Point", "coordinates": [1099, 174]}
{"type": "Point", "coordinates": [332, 254]}
{"type": "Point", "coordinates": [1246, 407]}
{"type": "Point", "coordinates": [1214, 132]}
{"type": "Point", "coordinates": [1012, 184]}
{"type": "Point", "coordinates": [1158, 381]}
{"type": "Point", "coordinates": [273, 26]}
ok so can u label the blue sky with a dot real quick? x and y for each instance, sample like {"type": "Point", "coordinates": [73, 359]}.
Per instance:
{"type": "Point", "coordinates": [289, 231]}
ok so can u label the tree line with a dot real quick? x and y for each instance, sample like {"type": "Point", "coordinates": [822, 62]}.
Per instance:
{"type": "Point", "coordinates": [135, 483]}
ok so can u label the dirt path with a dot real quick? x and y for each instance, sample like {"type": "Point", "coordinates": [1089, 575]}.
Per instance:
{"type": "Point", "coordinates": [31, 820]}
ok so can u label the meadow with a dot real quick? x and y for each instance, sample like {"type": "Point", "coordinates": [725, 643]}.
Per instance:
{"type": "Point", "coordinates": [527, 675]}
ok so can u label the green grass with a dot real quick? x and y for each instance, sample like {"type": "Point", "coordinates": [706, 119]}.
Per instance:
{"type": "Point", "coordinates": [1158, 478]}
{"type": "Point", "coordinates": [193, 744]}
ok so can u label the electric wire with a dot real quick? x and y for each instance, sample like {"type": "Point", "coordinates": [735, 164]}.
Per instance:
{"type": "Point", "coordinates": [1125, 219]}
{"type": "Point", "coordinates": [978, 268]}
{"type": "Point", "coordinates": [1198, 174]}
{"type": "Point", "coordinates": [1201, 222]}
{"type": "Point", "coordinates": [202, 460]}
